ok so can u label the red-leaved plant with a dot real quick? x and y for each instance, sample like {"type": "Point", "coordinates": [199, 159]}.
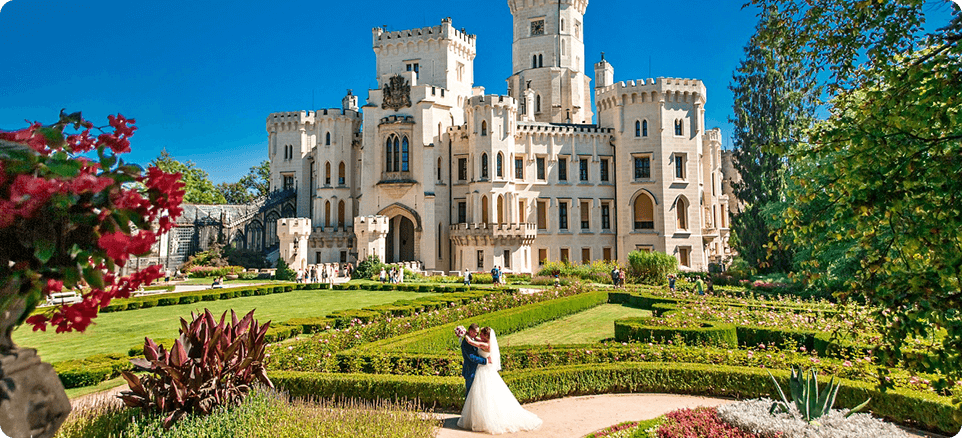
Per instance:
{"type": "Point", "coordinates": [70, 222]}
{"type": "Point", "coordinates": [211, 364]}
{"type": "Point", "coordinates": [698, 423]}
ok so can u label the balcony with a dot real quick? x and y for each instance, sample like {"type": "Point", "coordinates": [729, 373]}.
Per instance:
{"type": "Point", "coordinates": [486, 234]}
{"type": "Point", "coordinates": [331, 237]}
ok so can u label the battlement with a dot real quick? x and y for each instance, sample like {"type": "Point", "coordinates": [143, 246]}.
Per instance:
{"type": "Point", "coordinates": [371, 224]}
{"type": "Point", "coordinates": [444, 31]}
{"type": "Point", "coordinates": [520, 5]}
{"type": "Point", "coordinates": [650, 91]}
{"type": "Point", "coordinates": [493, 100]}
{"type": "Point", "coordinates": [713, 135]}
{"type": "Point", "coordinates": [397, 119]}
{"type": "Point", "coordinates": [551, 128]}
{"type": "Point", "coordinates": [303, 117]}
{"type": "Point", "coordinates": [300, 227]}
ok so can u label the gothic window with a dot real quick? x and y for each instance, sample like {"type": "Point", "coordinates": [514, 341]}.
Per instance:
{"type": "Point", "coordinates": [644, 128]}
{"type": "Point", "coordinates": [540, 60]}
{"type": "Point", "coordinates": [637, 129]}
{"type": "Point", "coordinates": [484, 166]}
{"type": "Point", "coordinates": [439, 169]}
{"type": "Point", "coordinates": [340, 174]}
{"type": "Point", "coordinates": [340, 214]}
{"type": "Point", "coordinates": [537, 104]}
{"type": "Point", "coordinates": [681, 209]}
{"type": "Point", "coordinates": [678, 127]}
{"type": "Point", "coordinates": [397, 155]}
{"type": "Point", "coordinates": [484, 209]}
{"type": "Point", "coordinates": [327, 173]}
{"type": "Point", "coordinates": [327, 213]}
{"type": "Point", "coordinates": [534, 61]}
{"type": "Point", "coordinates": [499, 165]}
{"type": "Point", "coordinates": [537, 27]}
{"type": "Point", "coordinates": [390, 155]}
{"type": "Point", "coordinates": [644, 212]}
{"type": "Point", "coordinates": [327, 141]}
{"type": "Point", "coordinates": [484, 127]}
{"type": "Point", "coordinates": [404, 155]}
{"type": "Point", "coordinates": [562, 24]}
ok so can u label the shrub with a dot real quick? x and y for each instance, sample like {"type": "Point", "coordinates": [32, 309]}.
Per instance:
{"type": "Point", "coordinates": [284, 272]}
{"type": "Point", "coordinates": [598, 271]}
{"type": "Point", "coordinates": [652, 267]}
{"type": "Point", "coordinates": [709, 333]}
{"type": "Point", "coordinates": [211, 364]}
{"type": "Point", "coordinates": [91, 370]}
{"type": "Point", "coordinates": [213, 271]}
{"type": "Point", "coordinates": [369, 267]}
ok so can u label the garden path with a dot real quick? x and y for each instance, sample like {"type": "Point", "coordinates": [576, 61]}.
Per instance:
{"type": "Point", "coordinates": [575, 417]}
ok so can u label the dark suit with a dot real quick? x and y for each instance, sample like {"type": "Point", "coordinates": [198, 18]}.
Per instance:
{"type": "Point", "coordinates": [471, 362]}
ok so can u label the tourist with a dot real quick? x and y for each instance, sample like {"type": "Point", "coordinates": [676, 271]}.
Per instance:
{"type": "Point", "coordinates": [167, 275]}
{"type": "Point", "coordinates": [671, 282]}
{"type": "Point", "coordinates": [400, 275]}
{"type": "Point", "coordinates": [382, 276]}
{"type": "Point", "coordinates": [557, 280]}
{"type": "Point", "coordinates": [614, 276]}
{"type": "Point", "coordinates": [621, 277]}
{"type": "Point", "coordinates": [700, 286]}
{"type": "Point", "coordinates": [711, 287]}
{"type": "Point", "coordinates": [467, 277]}
{"type": "Point", "coordinates": [494, 275]}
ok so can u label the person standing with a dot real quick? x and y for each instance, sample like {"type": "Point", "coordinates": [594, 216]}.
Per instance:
{"type": "Point", "coordinates": [700, 286]}
{"type": "Point", "coordinates": [671, 282]}
{"type": "Point", "coordinates": [467, 277]}
{"type": "Point", "coordinates": [400, 274]}
{"type": "Point", "coordinates": [382, 276]}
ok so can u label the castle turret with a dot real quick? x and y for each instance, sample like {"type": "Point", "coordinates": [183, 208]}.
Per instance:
{"type": "Point", "coordinates": [604, 73]}
{"type": "Point", "coordinates": [292, 234]}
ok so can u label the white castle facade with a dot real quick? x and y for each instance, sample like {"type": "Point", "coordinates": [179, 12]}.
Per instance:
{"type": "Point", "coordinates": [433, 170]}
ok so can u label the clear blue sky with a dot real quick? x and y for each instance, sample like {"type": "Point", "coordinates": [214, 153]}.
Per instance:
{"type": "Point", "coordinates": [202, 76]}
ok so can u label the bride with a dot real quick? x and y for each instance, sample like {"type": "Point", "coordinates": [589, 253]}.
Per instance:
{"type": "Point", "coordinates": [490, 405]}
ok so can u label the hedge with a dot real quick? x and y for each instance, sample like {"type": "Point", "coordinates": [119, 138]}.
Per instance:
{"type": "Point", "coordinates": [710, 333]}
{"type": "Point", "coordinates": [441, 338]}
{"type": "Point", "coordinates": [170, 299]}
{"type": "Point", "coordinates": [920, 409]}
{"type": "Point", "coordinates": [91, 370]}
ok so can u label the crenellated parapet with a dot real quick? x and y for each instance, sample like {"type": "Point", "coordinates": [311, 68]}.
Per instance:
{"type": "Point", "coordinates": [296, 120]}
{"type": "Point", "coordinates": [416, 39]}
{"type": "Point", "coordinates": [650, 91]}
{"type": "Point", "coordinates": [520, 5]}
{"type": "Point", "coordinates": [478, 103]}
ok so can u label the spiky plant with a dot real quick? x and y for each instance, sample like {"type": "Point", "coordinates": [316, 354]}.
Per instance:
{"type": "Point", "coordinates": [211, 364]}
{"type": "Point", "coordinates": [810, 402]}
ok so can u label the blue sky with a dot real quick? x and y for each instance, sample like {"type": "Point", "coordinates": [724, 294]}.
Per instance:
{"type": "Point", "coordinates": [201, 77]}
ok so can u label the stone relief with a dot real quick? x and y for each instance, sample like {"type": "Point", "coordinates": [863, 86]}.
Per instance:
{"type": "Point", "coordinates": [397, 93]}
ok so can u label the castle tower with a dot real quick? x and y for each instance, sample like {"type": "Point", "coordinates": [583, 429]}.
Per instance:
{"type": "Point", "coordinates": [293, 234]}
{"type": "Point", "coordinates": [548, 57]}
{"type": "Point", "coordinates": [371, 232]}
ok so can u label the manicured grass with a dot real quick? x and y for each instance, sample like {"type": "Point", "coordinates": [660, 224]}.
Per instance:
{"type": "Point", "coordinates": [589, 326]}
{"type": "Point", "coordinates": [117, 332]}
{"type": "Point", "coordinates": [227, 283]}
{"type": "Point", "coordinates": [102, 386]}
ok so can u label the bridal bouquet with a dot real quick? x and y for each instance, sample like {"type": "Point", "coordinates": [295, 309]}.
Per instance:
{"type": "Point", "coordinates": [460, 331]}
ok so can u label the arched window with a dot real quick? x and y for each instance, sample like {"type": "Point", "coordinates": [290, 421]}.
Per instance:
{"type": "Point", "coordinates": [637, 129]}
{"type": "Point", "coordinates": [540, 60]}
{"type": "Point", "coordinates": [327, 213]}
{"type": "Point", "coordinates": [534, 61]}
{"type": "Point", "coordinates": [644, 212]}
{"type": "Point", "coordinates": [404, 155]}
{"type": "Point", "coordinates": [537, 103]}
{"type": "Point", "coordinates": [397, 154]}
{"type": "Point", "coordinates": [327, 141]}
{"type": "Point", "coordinates": [678, 127]}
{"type": "Point", "coordinates": [340, 214]}
{"type": "Point", "coordinates": [484, 127]}
{"type": "Point", "coordinates": [500, 209]}
{"type": "Point", "coordinates": [439, 169]}
{"type": "Point", "coordinates": [562, 24]}
{"type": "Point", "coordinates": [500, 165]}
{"type": "Point", "coordinates": [562, 49]}
{"type": "Point", "coordinates": [340, 174]}
{"type": "Point", "coordinates": [644, 128]}
{"type": "Point", "coordinates": [327, 173]}
{"type": "Point", "coordinates": [681, 210]}
{"type": "Point", "coordinates": [484, 209]}
{"type": "Point", "coordinates": [484, 165]}
{"type": "Point", "coordinates": [390, 156]}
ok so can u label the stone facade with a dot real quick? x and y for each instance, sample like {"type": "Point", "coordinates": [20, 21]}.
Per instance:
{"type": "Point", "coordinates": [431, 169]}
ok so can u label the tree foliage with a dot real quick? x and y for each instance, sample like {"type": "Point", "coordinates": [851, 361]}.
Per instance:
{"type": "Point", "coordinates": [284, 271]}
{"type": "Point", "coordinates": [878, 182]}
{"type": "Point", "coordinates": [652, 267]}
{"type": "Point", "coordinates": [770, 114]}
{"type": "Point", "coordinates": [254, 185]}
{"type": "Point", "coordinates": [200, 189]}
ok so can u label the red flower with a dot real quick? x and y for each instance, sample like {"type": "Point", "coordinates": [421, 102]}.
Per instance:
{"type": "Point", "coordinates": [53, 286]}
{"type": "Point", "coordinates": [115, 244]}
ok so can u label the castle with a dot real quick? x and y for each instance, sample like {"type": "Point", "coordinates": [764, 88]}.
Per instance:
{"type": "Point", "coordinates": [433, 170]}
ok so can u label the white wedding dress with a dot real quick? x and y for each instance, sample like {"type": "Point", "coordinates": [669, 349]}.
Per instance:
{"type": "Point", "coordinates": [490, 406]}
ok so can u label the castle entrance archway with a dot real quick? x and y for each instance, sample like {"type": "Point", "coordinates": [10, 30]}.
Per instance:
{"type": "Point", "coordinates": [404, 233]}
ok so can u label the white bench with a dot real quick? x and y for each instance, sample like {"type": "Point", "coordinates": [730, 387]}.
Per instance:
{"type": "Point", "coordinates": [58, 298]}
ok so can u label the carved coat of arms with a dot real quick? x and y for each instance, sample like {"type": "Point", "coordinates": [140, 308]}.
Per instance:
{"type": "Point", "coordinates": [397, 93]}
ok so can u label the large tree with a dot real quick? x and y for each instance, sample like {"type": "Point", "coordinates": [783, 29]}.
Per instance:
{"type": "Point", "coordinates": [770, 114]}
{"type": "Point", "coordinates": [200, 189]}
{"type": "Point", "coordinates": [881, 174]}
{"type": "Point", "coordinates": [254, 185]}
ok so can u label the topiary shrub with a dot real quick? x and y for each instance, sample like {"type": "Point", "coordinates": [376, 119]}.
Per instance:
{"type": "Point", "coordinates": [652, 267]}
{"type": "Point", "coordinates": [284, 272]}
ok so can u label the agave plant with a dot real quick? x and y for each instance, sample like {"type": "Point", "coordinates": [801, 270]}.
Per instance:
{"type": "Point", "coordinates": [210, 364]}
{"type": "Point", "coordinates": [809, 400]}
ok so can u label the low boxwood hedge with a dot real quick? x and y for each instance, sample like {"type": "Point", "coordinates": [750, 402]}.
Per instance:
{"type": "Point", "coordinates": [919, 409]}
{"type": "Point", "coordinates": [710, 333]}
{"type": "Point", "coordinates": [91, 370]}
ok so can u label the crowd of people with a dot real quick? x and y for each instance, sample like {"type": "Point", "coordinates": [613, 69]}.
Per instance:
{"type": "Point", "coordinates": [395, 275]}
{"type": "Point", "coordinates": [324, 273]}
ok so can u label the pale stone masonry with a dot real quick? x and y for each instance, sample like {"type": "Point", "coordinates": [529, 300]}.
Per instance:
{"type": "Point", "coordinates": [433, 170]}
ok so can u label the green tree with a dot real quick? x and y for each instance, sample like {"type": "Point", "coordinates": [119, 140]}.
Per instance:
{"type": "Point", "coordinates": [284, 272]}
{"type": "Point", "coordinates": [878, 181]}
{"type": "Point", "coordinates": [256, 184]}
{"type": "Point", "coordinates": [200, 189]}
{"type": "Point", "coordinates": [770, 114]}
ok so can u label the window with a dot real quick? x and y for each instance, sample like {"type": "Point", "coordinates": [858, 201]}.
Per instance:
{"type": "Point", "coordinates": [637, 128]}
{"type": "Point", "coordinates": [564, 255]}
{"type": "Point", "coordinates": [585, 215]}
{"type": "Point", "coordinates": [439, 170]}
{"type": "Point", "coordinates": [327, 214]}
{"type": "Point", "coordinates": [499, 165]}
{"type": "Point", "coordinates": [390, 155]}
{"type": "Point", "coordinates": [585, 255]}
{"type": "Point", "coordinates": [562, 168]}
{"type": "Point", "coordinates": [606, 254]}
{"type": "Point", "coordinates": [507, 259]}
{"type": "Point", "coordinates": [462, 212]}
{"type": "Point", "coordinates": [563, 215]}
{"type": "Point", "coordinates": [462, 169]}
{"type": "Point", "coordinates": [328, 140]}
{"type": "Point", "coordinates": [583, 169]}
{"type": "Point", "coordinates": [288, 182]}
{"type": "Point", "coordinates": [605, 216]}
{"type": "Point", "coordinates": [684, 256]}
{"type": "Point", "coordinates": [604, 170]}
{"type": "Point", "coordinates": [404, 155]}
{"type": "Point", "coordinates": [644, 212]}
{"type": "Point", "coordinates": [537, 104]}
{"type": "Point", "coordinates": [679, 166]}
{"type": "Point", "coordinates": [534, 61]}
{"type": "Point", "coordinates": [340, 215]}
{"type": "Point", "coordinates": [484, 166]}
{"type": "Point", "coordinates": [542, 215]}
{"type": "Point", "coordinates": [537, 27]}
{"type": "Point", "coordinates": [480, 259]}
{"type": "Point", "coordinates": [440, 246]}
{"type": "Point", "coordinates": [397, 154]}
{"type": "Point", "coordinates": [644, 128]}
{"type": "Point", "coordinates": [415, 67]}
{"type": "Point", "coordinates": [542, 256]}
{"type": "Point", "coordinates": [681, 210]}
{"type": "Point", "coordinates": [522, 211]}
{"type": "Point", "coordinates": [642, 168]}
{"type": "Point", "coordinates": [327, 174]}
{"type": "Point", "coordinates": [678, 127]}
{"type": "Point", "coordinates": [519, 168]}
{"type": "Point", "coordinates": [562, 24]}
{"type": "Point", "coordinates": [460, 71]}
{"type": "Point", "coordinates": [577, 30]}
{"type": "Point", "coordinates": [484, 127]}
{"type": "Point", "coordinates": [540, 60]}
{"type": "Point", "coordinates": [340, 174]}
{"type": "Point", "coordinates": [540, 162]}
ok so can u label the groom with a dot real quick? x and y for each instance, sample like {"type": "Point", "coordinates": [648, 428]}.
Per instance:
{"type": "Point", "coordinates": [471, 359]}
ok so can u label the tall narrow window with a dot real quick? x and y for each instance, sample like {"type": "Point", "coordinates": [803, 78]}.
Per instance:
{"type": "Point", "coordinates": [684, 256]}
{"type": "Point", "coordinates": [534, 61]}
{"type": "Point", "coordinates": [637, 129]}
{"type": "Point", "coordinates": [522, 211]}
{"type": "Point", "coordinates": [327, 213]}
{"type": "Point", "coordinates": [404, 155]}
{"type": "Point", "coordinates": [440, 246]}
{"type": "Point", "coordinates": [327, 174]}
{"type": "Point", "coordinates": [519, 168]}
{"type": "Point", "coordinates": [562, 168]}
{"type": "Point", "coordinates": [585, 215]}
{"type": "Point", "coordinates": [480, 260]}
{"type": "Point", "coordinates": [542, 215]}
{"type": "Point", "coordinates": [327, 141]}
{"type": "Point", "coordinates": [341, 177]}
{"type": "Point", "coordinates": [507, 259]}
{"type": "Point", "coordinates": [681, 209]}
{"type": "Point", "coordinates": [678, 127]}
{"type": "Point", "coordinates": [585, 255]}
{"type": "Point", "coordinates": [679, 167]}
{"type": "Point", "coordinates": [603, 174]}
{"type": "Point", "coordinates": [644, 128]}
{"type": "Point", "coordinates": [499, 166]}
{"type": "Point", "coordinates": [537, 103]}
{"type": "Point", "coordinates": [340, 214]}
{"type": "Point", "coordinates": [542, 256]}
{"type": "Point", "coordinates": [462, 169]}
{"type": "Point", "coordinates": [540, 60]}
{"type": "Point", "coordinates": [500, 209]}
{"type": "Point", "coordinates": [605, 216]}
{"type": "Point", "coordinates": [583, 169]}
{"type": "Point", "coordinates": [462, 212]}
{"type": "Point", "coordinates": [644, 213]}
{"type": "Point", "coordinates": [484, 127]}
{"type": "Point", "coordinates": [439, 170]}
{"type": "Point", "coordinates": [563, 215]}
{"type": "Point", "coordinates": [484, 209]}
{"type": "Point", "coordinates": [390, 155]}
{"type": "Point", "coordinates": [540, 162]}
{"type": "Point", "coordinates": [484, 166]}
{"type": "Point", "coordinates": [397, 154]}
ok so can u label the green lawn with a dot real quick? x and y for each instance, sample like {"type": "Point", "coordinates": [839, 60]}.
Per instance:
{"type": "Point", "coordinates": [586, 327]}
{"type": "Point", "coordinates": [117, 332]}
